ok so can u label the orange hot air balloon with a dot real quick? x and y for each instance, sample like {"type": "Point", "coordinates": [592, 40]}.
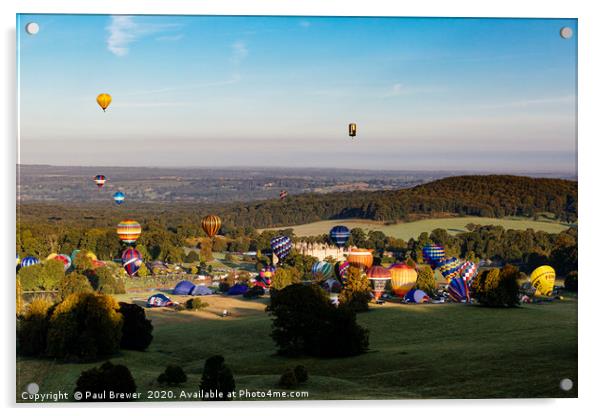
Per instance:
{"type": "Point", "coordinates": [360, 257]}
{"type": "Point", "coordinates": [211, 224]}
{"type": "Point", "coordinates": [403, 278]}
{"type": "Point", "coordinates": [103, 100]}
{"type": "Point", "coordinates": [129, 231]}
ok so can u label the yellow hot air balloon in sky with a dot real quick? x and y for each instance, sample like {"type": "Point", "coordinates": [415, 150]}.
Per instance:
{"type": "Point", "coordinates": [103, 101]}
{"type": "Point", "coordinates": [542, 279]}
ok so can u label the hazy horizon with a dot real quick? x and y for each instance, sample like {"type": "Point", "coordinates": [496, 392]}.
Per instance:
{"type": "Point", "coordinates": [427, 94]}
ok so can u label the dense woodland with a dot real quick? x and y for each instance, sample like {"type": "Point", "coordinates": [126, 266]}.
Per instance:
{"type": "Point", "coordinates": [47, 228]}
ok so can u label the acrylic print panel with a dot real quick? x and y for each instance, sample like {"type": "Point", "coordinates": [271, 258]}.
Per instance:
{"type": "Point", "coordinates": [400, 193]}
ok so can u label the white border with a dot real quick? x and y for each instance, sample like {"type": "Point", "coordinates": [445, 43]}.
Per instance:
{"type": "Point", "coordinates": [590, 68]}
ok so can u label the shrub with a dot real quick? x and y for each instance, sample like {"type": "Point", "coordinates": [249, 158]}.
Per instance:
{"type": "Point", "coordinates": [570, 281]}
{"type": "Point", "coordinates": [41, 276]}
{"type": "Point", "coordinates": [173, 375]}
{"type": "Point", "coordinates": [137, 331]}
{"type": "Point", "coordinates": [196, 304]}
{"type": "Point", "coordinates": [254, 292]}
{"type": "Point", "coordinates": [217, 377]}
{"type": "Point", "coordinates": [306, 322]}
{"type": "Point", "coordinates": [301, 373]}
{"type": "Point", "coordinates": [426, 280]}
{"type": "Point", "coordinates": [497, 288]}
{"type": "Point", "coordinates": [143, 271]}
{"type": "Point", "coordinates": [288, 380]}
{"type": "Point", "coordinates": [356, 293]}
{"type": "Point", "coordinates": [32, 329]}
{"type": "Point", "coordinates": [229, 257]}
{"type": "Point", "coordinates": [109, 377]}
{"type": "Point", "coordinates": [73, 283]}
{"type": "Point", "coordinates": [107, 283]}
{"type": "Point", "coordinates": [84, 326]}
{"type": "Point", "coordinates": [19, 300]}
{"type": "Point", "coordinates": [191, 257]}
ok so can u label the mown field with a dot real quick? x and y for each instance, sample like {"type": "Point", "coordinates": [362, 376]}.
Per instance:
{"type": "Point", "coordinates": [413, 229]}
{"type": "Point", "coordinates": [416, 351]}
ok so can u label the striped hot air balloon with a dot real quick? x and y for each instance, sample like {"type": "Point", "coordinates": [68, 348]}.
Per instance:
{"type": "Point", "coordinates": [403, 278]}
{"type": "Point", "coordinates": [211, 224]}
{"type": "Point", "coordinates": [361, 258]}
{"type": "Point", "coordinates": [281, 246]}
{"type": "Point", "coordinates": [322, 270]}
{"type": "Point", "coordinates": [131, 260]}
{"type": "Point", "coordinates": [378, 276]}
{"type": "Point", "coordinates": [542, 279]}
{"type": "Point", "coordinates": [265, 276]}
{"type": "Point", "coordinates": [449, 267]}
{"type": "Point", "coordinates": [283, 194]}
{"type": "Point", "coordinates": [119, 197]}
{"type": "Point", "coordinates": [340, 235]}
{"type": "Point", "coordinates": [100, 180]}
{"type": "Point", "coordinates": [29, 261]}
{"type": "Point", "coordinates": [129, 231]}
{"type": "Point", "coordinates": [458, 289]}
{"type": "Point", "coordinates": [433, 253]}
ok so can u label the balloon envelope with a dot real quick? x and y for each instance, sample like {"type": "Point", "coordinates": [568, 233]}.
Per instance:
{"type": "Point", "coordinates": [100, 180]}
{"type": "Point", "coordinates": [341, 268]}
{"type": "Point", "coordinates": [29, 261]}
{"type": "Point", "coordinates": [129, 231]}
{"type": "Point", "coordinates": [322, 270]}
{"type": "Point", "coordinates": [449, 267]}
{"type": "Point", "coordinates": [281, 246]}
{"type": "Point", "coordinates": [542, 279]}
{"type": "Point", "coordinates": [211, 224]}
{"type": "Point", "coordinates": [361, 258]}
{"type": "Point", "coordinates": [433, 253]}
{"type": "Point", "coordinates": [132, 260]}
{"type": "Point", "coordinates": [403, 278]}
{"type": "Point", "coordinates": [119, 197]}
{"type": "Point", "coordinates": [340, 235]}
{"type": "Point", "coordinates": [104, 100]}
{"type": "Point", "coordinates": [416, 296]}
{"type": "Point", "coordinates": [458, 289]}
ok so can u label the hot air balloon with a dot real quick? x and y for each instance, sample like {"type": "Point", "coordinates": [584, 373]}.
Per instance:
{"type": "Point", "coordinates": [542, 279]}
{"type": "Point", "coordinates": [281, 246]}
{"type": "Point", "coordinates": [74, 254]}
{"type": "Point", "coordinates": [378, 276]}
{"type": "Point", "coordinates": [361, 258]}
{"type": "Point", "coordinates": [340, 269]}
{"type": "Point", "coordinates": [103, 100]}
{"type": "Point", "coordinates": [18, 259]}
{"type": "Point", "coordinates": [265, 276]}
{"type": "Point", "coordinates": [458, 289]}
{"type": "Point", "coordinates": [100, 180]}
{"type": "Point", "coordinates": [29, 261]}
{"type": "Point", "coordinates": [331, 285]}
{"type": "Point", "coordinates": [283, 194]}
{"type": "Point", "coordinates": [468, 271]}
{"type": "Point", "coordinates": [211, 224]}
{"type": "Point", "coordinates": [131, 260]}
{"type": "Point", "coordinates": [129, 231]}
{"type": "Point", "coordinates": [416, 296]}
{"type": "Point", "coordinates": [322, 270]}
{"type": "Point", "coordinates": [119, 197]}
{"type": "Point", "coordinates": [63, 258]}
{"type": "Point", "coordinates": [403, 278]}
{"type": "Point", "coordinates": [340, 235]}
{"type": "Point", "coordinates": [433, 253]}
{"type": "Point", "coordinates": [449, 267]}
{"type": "Point", "coordinates": [352, 129]}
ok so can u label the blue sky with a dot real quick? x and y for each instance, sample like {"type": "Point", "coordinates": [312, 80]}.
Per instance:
{"type": "Point", "coordinates": [483, 94]}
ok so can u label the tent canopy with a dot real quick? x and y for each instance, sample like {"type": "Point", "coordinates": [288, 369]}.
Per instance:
{"type": "Point", "coordinates": [238, 289]}
{"type": "Point", "coordinates": [158, 300]}
{"type": "Point", "coordinates": [183, 288]}
{"type": "Point", "coordinates": [200, 290]}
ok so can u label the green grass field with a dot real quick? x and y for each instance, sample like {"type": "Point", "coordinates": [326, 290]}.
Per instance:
{"type": "Point", "coordinates": [416, 351]}
{"type": "Point", "coordinates": [413, 229]}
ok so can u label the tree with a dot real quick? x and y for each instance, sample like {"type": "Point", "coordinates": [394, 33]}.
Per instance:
{"type": "Point", "coordinates": [19, 302]}
{"type": "Point", "coordinates": [142, 271]}
{"type": "Point", "coordinates": [192, 257]}
{"type": "Point", "coordinates": [106, 282]}
{"type": "Point", "coordinates": [426, 280]}
{"type": "Point", "coordinates": [173, 375]}
{"type": "Point", "coordinates": [497, 288]}
{"type": "Point", "coordinates": [137, 331]}
{"type": "Point", "coordinates": [42, 276]}
{"type": "Point", "coordinates": [282, 278]}
{"type": "Point", "coordinates": [356, 293]}
{"type": "Point", "coordinates": [32, 328]}
{"type": "Point", "coordinates": [85, 326]}
{"type": "Point", "coordinates": [306, 322]}
{"type": "Point", "coordinates": [217, 377]}
{"type": "Point", "coordinates": [570, 282]}
{"type": "Point", "coordinates": [107, 378]}
{"type": "Point", "coordinates": [73, 283]}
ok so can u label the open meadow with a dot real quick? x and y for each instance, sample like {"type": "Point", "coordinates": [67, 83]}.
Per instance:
{"type": "Point", "coordinates": [416, 351]}
{"type": "Point", "coordinates": [407, 230]}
